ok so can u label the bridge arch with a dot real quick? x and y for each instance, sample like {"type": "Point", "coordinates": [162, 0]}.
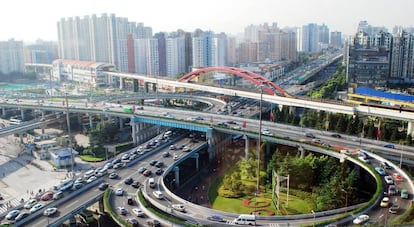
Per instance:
{"type": "Point", "coordinates": [268, 86]}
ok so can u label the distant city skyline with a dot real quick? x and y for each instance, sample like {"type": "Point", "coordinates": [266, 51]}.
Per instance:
{"type": "Point", "coordinates": [32, 20]}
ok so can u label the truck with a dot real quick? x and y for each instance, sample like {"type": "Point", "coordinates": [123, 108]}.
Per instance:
{"type": "Point", "coordinates": [128, 110]}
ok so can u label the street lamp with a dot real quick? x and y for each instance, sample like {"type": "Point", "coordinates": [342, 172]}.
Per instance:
{"type": "Point", "coordinates": [346, 199]}
{"type": "Point", "coordinates": [70, 139]}
{"type": "Point", "coordinates": [401, 154]}
{"type": "Point", "coordinates": [260, 141]}
{"type": "Point", "coordinates": [314, 218]}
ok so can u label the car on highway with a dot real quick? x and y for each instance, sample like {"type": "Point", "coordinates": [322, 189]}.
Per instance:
{"type": "Point", "coordinates": [392, 190]}
{"type": "Point", "coordinates": [76, 186]}
{"type": "Point", "coordinates": [392, 146]}
{"type": "Point", "coordinates": [380, 171]}
{"type": "Point", "coordinates": [113, 176]}
{"type": "Point", "coordinates": [159, 171]}
{"type": "Point", "coordinates": [12, 214]}
{"type": "Point", "coordinates": [394, 209]}
{"type": "Point", "coordinates": [404, 194]}
{"type": "Point", "coordinates": [153, 223]}
{"type": "Point", "coordinates": [386, 165]}
{"type": "Point", "coordinates": [136, 184]}
{"type": "Point", "coordinates": [310, 135]}
{"type": "Point", "coordinates": [335, 135]}
{"type": "Point", "coordinates": [30, 203]}
{"type": "Point", "coordinates": [267, 132]}
{"type": "Point", "coordinates": [159, 164]}
{"type": "Point", "coordinates": [50, 211]}
{"type": "Point", "coordinates": [47, 196]}
{"type": "Point", "coordinates": [175, 157]}
{"type": "Point", "coordinates": [147, 173]}
{"type": "Point", "coordinates": [133, 222]}
{"type": "Point", "coordinates": [128, 180]}
{"type": "Point", "coordinates": [141, 169]}
{"type": "Point", "coordinates": [397, 177]}
{"type": "Point", "coordinates": [118, 165]}
{"type": "Point", "coordinates": [36, 207]}
{"type": "Point", "coordinates": [385, 202]}
{"type": "Point", "coordinates": [178, 207]}
{"type": "Point", "coordinates": [119, 191]}
{"type": "Point", "coordinates": [361, 219]}
{"type": "Point", "coordinates": [138, 212]}
{"type": "Point", "coordinates": [21, 216]}
{"type": "Point", "coordinates": [152, 162]}
{"type": "Point", "coordinates": [388, 179]}
{"type": "Point", "coordinates": [216, 218]}
{"type": "Point", "coordinates": [91, 179]}
{"type": "Point", "coordinates": [103, 186]}
{"type": "Point", "coordinates": [122, 210]}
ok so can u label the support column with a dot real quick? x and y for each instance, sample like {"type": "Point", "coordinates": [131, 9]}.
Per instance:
{"type": "Point", "coordinates": [3, 111]}
{"type": "Point", "coordinates": [211, 145]}
{"type": "Point", "coordinates": [121, 83]}
{"type": "Point", "coordinates": [135, 85]}
{"type": "Point", "coordinates": [146, 87]}
{"type": "Point", "coordinates": [196, 156]}
{"type": "Point", "coordinates": [43, 114]}
{"type": "Point", "coordinates": [21, 138]}
{"type": "Point", "coordinates": [302, 151]}
{"type": "Point", "coordinates": [177, 176]}
{"type": "Point", "coordinates": [22, 113]}
{"type": "Point", "coordinates": [134, 134]}
{"type": "Point", "coordinates": [90, 121]}
{"type": "Point", "coordinates": [410, 128]}
{"type": "Point", "coordinates": [101, 206]}
{"type": "Point", "coordinates": [246, 147]}
{"type": "Point", "coordinates": [121, 123]}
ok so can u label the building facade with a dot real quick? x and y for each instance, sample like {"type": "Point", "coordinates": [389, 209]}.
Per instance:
{"type": "Point", "coordinates": [11, 56]}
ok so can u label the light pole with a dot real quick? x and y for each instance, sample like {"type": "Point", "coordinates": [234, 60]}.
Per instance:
{"type": "Point", "coordinates": [401, 153]}
{"type": "Point", "coordinates": [314, 218]}
{"type": "Point", "coordinates": [70, 139]}
{"type": "Point", "coordinates": [346, 200]}
{"type": "Point", "coordinates": [259, 142]}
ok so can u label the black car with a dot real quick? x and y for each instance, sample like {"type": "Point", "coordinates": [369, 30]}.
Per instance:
{"type": "Point", "coordinates": [159, 164]}
{"type": "Point", "coordinates": [152, 162]}
{"type": "Point", "coordinates": [159, 171]}
{"type": "Point", "coordinates": [153, 222]}
{"type": "Point", "coordinates": [103, 186]}
{"type": "Point", "coordinates": [128, 180]}
{"type": "Point", "coordinates": [336, 135]}
{"type": "Point", "coordinates": [136, 184]}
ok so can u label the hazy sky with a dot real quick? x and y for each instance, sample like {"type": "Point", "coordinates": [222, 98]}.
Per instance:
{"type": "Point", "coordinates": [29, 20]}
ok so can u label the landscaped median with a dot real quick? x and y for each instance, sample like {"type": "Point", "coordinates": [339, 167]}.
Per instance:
{"type": "Point", "coordinates": [110, 211]}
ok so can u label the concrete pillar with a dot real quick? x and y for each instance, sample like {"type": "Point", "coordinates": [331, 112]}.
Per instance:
{"type": "Point", "coordinates": [302, 151]}
{"type": "Point", "coordinates": [196, 156]}
{"type": "Point", "coordinates": [101, 206]}
{"type": "Point", "coordinates": [21, 138]}
{"type": "Point", "coordinates": [146, 87]}
{"type": "Point", "coordinates": [3, 111]}
{"type": "Point", "coordinates": [90, 121]}
{"type": "Point", "coordinates": [292, 110]}
{"type": "Point", "coordinates": [177, 176]}
{"type": "Point", "coordinates": [79, 119]}
{"type": "Point", "coordinates": [121, 123]}
{"type": "Point", "coordinates": [246, 147]}
{"type": "Point", "coordinates": [136, 85]}
{"type": "Point", "coordinates": [22, 113]}
{"type": "Point", "coordinates": [121, 83]}
{"type": "Point", "coordinates": [134, 133]}
{"type": "Point", "coordinates": [154, 87]}
{"type": "Point", "coordinates": [410, 128]}
{"type": "Point", "coordinates": [43, 114]}
{"type": "Point", "coordinates": [211, 145]}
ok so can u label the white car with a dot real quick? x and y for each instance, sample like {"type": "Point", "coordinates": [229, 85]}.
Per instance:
{"type": "Point", "coordinates": [12, 214]}
{"type": "Point", "coordinates": [30, 203]}
{"type": "Point", "coordinates": [267, 132]}
{"type": "Point", "coordinates": [50, 211]}
{"type": "Point", "coordinates": [91, 179]}
{"type": "Point", "coordinates": [361, 219]}
{"type": "Point", "coordinates": [179, 207]}
{"type": "Point", "coordinates": [388, 179]}
{"type": "Point", "coordinates": [36, 207]}
{"type": "Point", "coordinates": [138, 212]}
{"type": "Point", "coordinates": [119, 191]}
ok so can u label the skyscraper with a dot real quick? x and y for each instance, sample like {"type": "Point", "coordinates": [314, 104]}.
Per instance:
{"type": "Point", "coordinates": [175, 53]}
{"type": "Point", "coordinates": [310, 38]}
{"type": "Point", "coordinates": [401, 67]}
{"type": "Point", "coordinates": [11, 56]}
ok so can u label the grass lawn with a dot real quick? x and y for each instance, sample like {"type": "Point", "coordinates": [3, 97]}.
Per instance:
{"type": "Point", "coordinates": [90, 158]}
{"type": "Point", "coordinates": [236, 205]}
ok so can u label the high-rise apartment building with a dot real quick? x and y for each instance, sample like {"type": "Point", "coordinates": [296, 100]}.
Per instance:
{"type": "Point", "coordinates": [41, 52]}
{"type": "Point", "coordinates": [369, 59]}
{"type": "Point", "coordinates": [175, 51]}
{"type": "Point", "coordinates": [146, 56]}
{"type": "Point", "coordinates": [162, 53]}
{"type": "Point", "coordinates": [101, 39]}
{"type": "Point", "coordinates": [11, 56]}
{"type": "Point", "coordinates": [247, 52]}
{"type": "Point", "coordinates": [336, 39]}
{"type": "Point", "coordinates": [310, 38]}
{"type": "Point", "coordinates": [401, 67]}
{"type": "Point", "coordinates": [231, 51]}
{"type": "Point", "coordinates": [202, 43]}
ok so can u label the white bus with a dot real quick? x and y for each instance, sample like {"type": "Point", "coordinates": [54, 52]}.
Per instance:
{"type": "Point", "coordinates": [245, 219]}
{"type": "Point", "coordinates": [14, 121]}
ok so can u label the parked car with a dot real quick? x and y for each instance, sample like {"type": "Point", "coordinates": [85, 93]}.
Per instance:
{"type": "Point", "coordinates": [360, 219]}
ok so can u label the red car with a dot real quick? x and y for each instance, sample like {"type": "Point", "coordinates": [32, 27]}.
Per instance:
{"type": "Point", "coordinates": [147, 173]}
{"type": "Point", "coordinates": [46, 196]}
{"type": "Point", "coordinates": [397, 177]}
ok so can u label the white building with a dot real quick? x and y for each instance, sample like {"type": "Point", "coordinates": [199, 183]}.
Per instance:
{"type": "Point", "coordinates": [175, 51]}
{"type": "Point", "coordinates": [87, 73]}
{"type": "Point", "coordinates": [11, 56]}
